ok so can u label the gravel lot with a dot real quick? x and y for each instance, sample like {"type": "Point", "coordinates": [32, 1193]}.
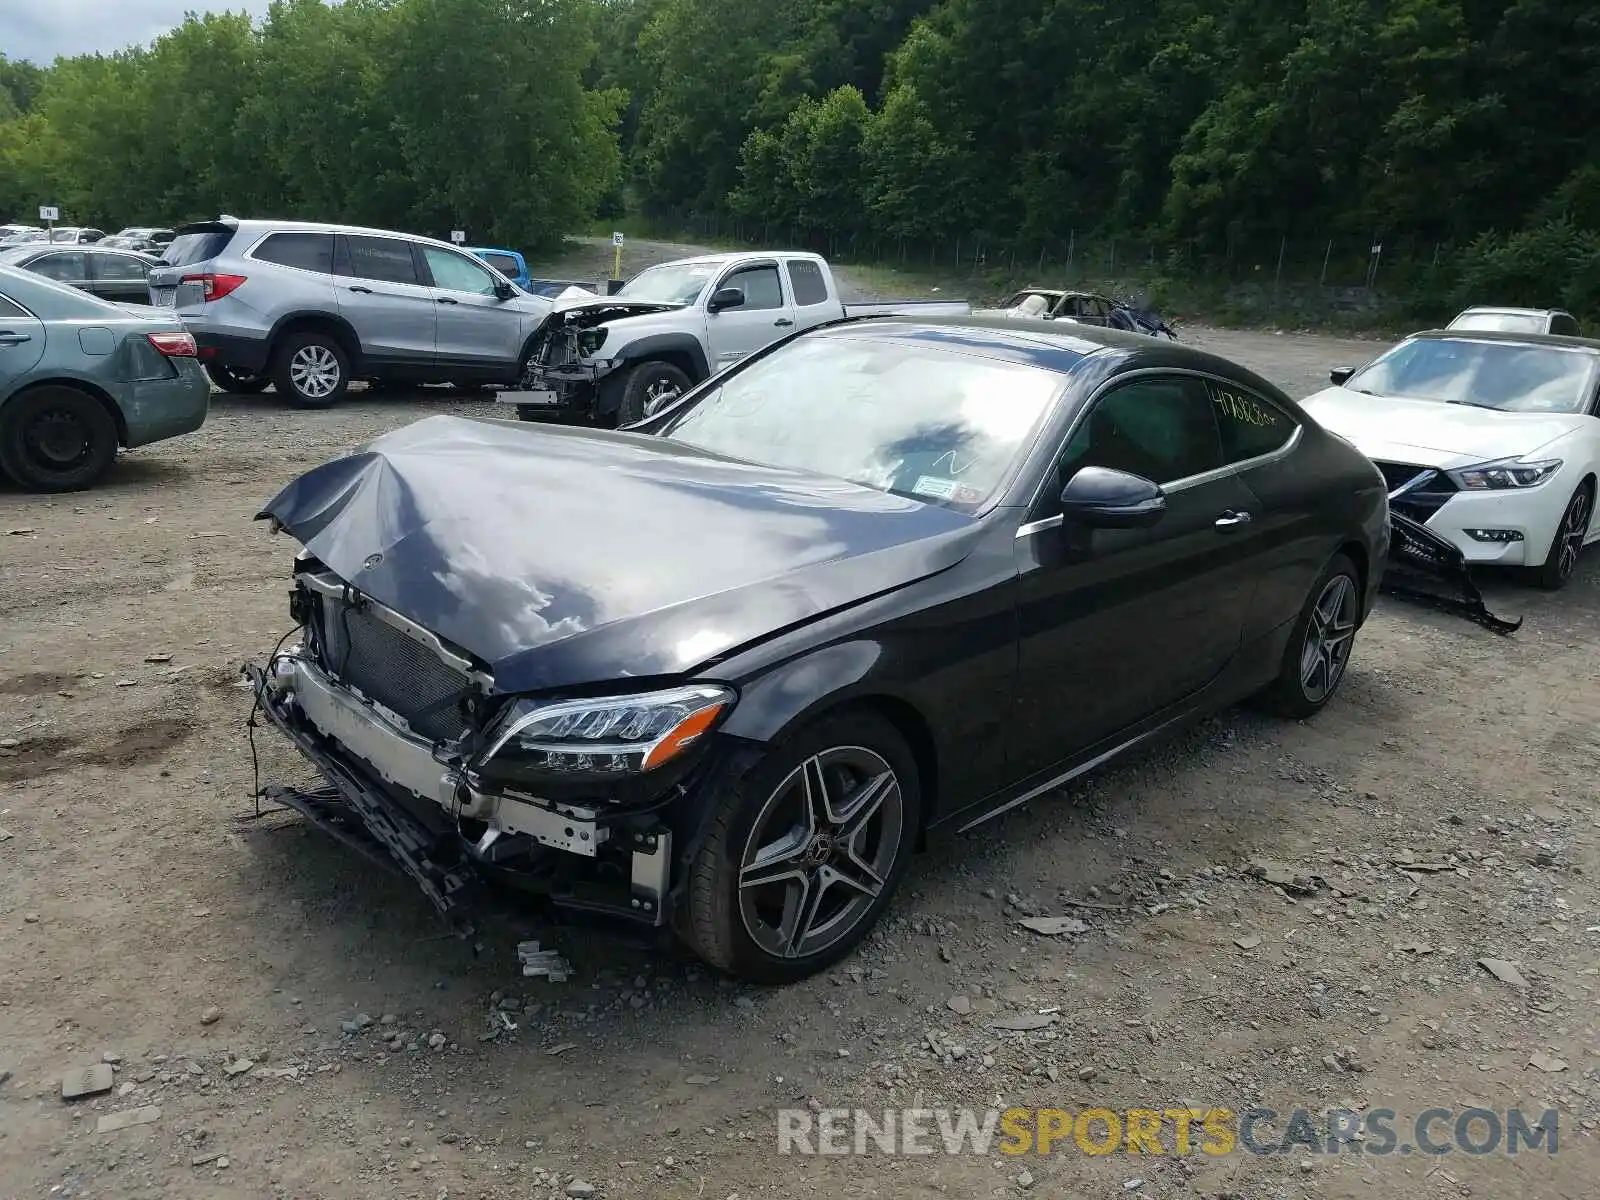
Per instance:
{"type": "Point", "coordinates": [274, 997]}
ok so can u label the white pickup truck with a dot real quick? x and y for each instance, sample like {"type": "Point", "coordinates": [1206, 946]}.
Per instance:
{"type": "Point", "coordinates": [614, 358]}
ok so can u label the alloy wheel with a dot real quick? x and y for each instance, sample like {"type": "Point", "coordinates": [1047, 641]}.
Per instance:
{"type": "Point", "coordinates": [821, 852]}
{"type": "Point", "coordinates": [1329, 636]}
{"type": "Point", "coordinates": [314, 371]}
{"type": "Point", "coordinates": [659, 393]}
{"type": "Point", "coordinates": [1574, 527]}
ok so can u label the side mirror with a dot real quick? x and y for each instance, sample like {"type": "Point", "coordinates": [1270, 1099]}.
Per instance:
{"type": "Point", "coordinates": [1102, 498]}
{"type": "Point", "coordinates": [1339, 375]}
{"type": "Point", "coordinates": [504, 291]}
{"type": "Point", "coordinates": [728, 297]}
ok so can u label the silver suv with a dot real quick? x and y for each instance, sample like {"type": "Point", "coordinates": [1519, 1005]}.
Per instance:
{"type": "Point", "coordinates": [309, 307]}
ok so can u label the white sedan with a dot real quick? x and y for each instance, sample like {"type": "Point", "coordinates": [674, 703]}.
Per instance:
{"type": "Point", "coordinates": [1490, 439]}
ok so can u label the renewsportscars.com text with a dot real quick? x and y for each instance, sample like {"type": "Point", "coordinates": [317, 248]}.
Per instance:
{"type": "Point", "coordinates": [1214, 1131]}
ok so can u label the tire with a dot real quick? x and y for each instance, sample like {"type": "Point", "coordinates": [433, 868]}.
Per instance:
{"type": "Point", "coordinates": [646, 382]}
{"type": "Point", "coordinates": [56, 439]}
{"type": "Point", "coordinates": [240, 383]}
{"type": "Point", "coordinates": [311, 370]}
{"type": "Point", "coordinates": [753, 932]}
{"type": "Point", "coordinates": [1562, 561]}
{"type": "Point", "coordinates": [1332, 609]}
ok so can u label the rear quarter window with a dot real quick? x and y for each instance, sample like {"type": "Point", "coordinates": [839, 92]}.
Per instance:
{"type": "Point", "coordinates": [503, 263]}
{"type": "Point", "coordinates": [809, 286]}
{"type": "Point", "coordinates": [1250, 427]}
{"type": "Point", "coordinates": [307, 251]}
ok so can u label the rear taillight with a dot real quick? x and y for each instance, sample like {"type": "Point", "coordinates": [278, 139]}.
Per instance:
{"type": "Point", "coordinates": [174, 345]}
{"type": "Point", "coordinates": [215, 286]}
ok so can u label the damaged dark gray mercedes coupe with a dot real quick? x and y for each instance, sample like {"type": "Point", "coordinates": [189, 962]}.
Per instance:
{"type": "Point", "coordinates": [720, 673]}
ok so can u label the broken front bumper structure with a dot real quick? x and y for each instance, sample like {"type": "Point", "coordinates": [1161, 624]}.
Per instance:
{"type": "Point", "coordinates": [410, 804]}
{"type": "Point", "coordinates": [1426, 568]}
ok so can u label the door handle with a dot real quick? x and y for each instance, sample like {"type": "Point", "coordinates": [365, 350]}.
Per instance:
{"type": "Point", "coordinates": [1232, 519]}
{"type": "Point", "coordinates": [8, 338]}
{"type": "Point", "coordinates": [358, 288]}
{"type": "Point", "coordinates": [445, 300]}
{"type": "Point", "coordinates": [783, 321]}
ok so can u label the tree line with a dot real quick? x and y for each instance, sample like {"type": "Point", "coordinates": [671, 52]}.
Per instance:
{"type": "Point", "coordinates": [1209, 125]}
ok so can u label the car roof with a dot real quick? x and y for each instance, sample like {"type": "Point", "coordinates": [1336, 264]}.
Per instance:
{"type": "Point", "coordinates": [1055, 345]}
{"type": "Point", "coordinates": [251, 225]}
{"type": "Point", "coordinates": [1500, 335]}
{"type": "Point", "coordinates": [1511, 311]}
{"type": "Point", "coordinates": [728, 256]}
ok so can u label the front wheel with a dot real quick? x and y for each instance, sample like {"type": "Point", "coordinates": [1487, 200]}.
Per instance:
{"type": "Point", "coordinates": [56, 439]}
{"type": "Point", "coordinates": [1562, 562]}
{"type": "Point", "coordinates": [311, 370]}
{"type": "Point", "coordinates": [240, 383]}
{"type": "Point", "coordinates": [804, 850]}
{"type": "Point", "coordinates": [650, 387]}
{"type": "Point", "coordinates": [1318, 653]}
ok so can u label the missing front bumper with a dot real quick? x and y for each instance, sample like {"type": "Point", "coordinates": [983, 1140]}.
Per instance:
{"type": "Point", "coordinates": [479, 841]}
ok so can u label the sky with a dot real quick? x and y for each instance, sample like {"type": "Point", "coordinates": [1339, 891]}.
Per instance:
{"type": "Point", "coordinates": [38, 30]}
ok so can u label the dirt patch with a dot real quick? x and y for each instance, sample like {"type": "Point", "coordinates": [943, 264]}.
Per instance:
{"type": "Point", "coordinates": [35, 683]}
{"type": "Point", "coordinates": [32, 757]}
{"type": "Point", "coordinates": [141, 743]}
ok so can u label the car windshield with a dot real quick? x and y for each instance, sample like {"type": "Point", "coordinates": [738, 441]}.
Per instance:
{"type": "Point", "coordinates": [18, 239]}
{"type": "Point", "coordinates": [675, 283]}
{"type": "Point", "coordinates": [13, 254]}
{"type": "Point", "coordinates": [1506, 322]}
{"type": "Point", "coordinates": [1510, 376]}
{"type": "Point", "coordinates": [927, 421]}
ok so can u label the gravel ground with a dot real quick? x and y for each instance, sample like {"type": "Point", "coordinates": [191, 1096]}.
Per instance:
{"type": "Point", "coordinates": [282, 1019]}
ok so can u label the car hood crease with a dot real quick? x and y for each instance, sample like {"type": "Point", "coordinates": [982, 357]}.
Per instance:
{"type": "Point", "coordinates": [561, 557]}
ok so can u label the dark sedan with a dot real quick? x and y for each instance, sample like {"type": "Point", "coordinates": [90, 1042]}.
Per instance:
{"type": "Point", "coordinates": [115, 275]}
{"type": "Point", "coordinates": [721, 672]}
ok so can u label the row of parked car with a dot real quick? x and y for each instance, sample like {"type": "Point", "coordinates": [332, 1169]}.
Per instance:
{"type": "Point", "coordinates": [1487, 432]}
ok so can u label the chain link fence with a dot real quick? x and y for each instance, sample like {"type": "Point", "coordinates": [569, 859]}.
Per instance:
{"type": "Point", "coordinates": [1303, 273]}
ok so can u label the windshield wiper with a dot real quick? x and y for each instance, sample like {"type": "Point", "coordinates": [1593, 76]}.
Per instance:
{"type": "Point", "coordinates": [1475, 404]}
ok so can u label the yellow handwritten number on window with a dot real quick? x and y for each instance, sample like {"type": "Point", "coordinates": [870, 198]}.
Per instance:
{"type": "Point", "coordinates": [1242, 408]}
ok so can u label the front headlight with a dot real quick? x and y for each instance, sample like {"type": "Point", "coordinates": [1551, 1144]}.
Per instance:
{"type": "Point", "coordinates": [590, 340]}
{"type": "Point", "coordinates": [607, 737]}
{"type": "Point", "coordinates": [1507, 473]}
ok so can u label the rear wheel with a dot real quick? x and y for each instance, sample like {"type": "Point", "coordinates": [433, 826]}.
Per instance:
{"type": "Point", "coordinates": [1318, 653]}
{"type": "Point", "coordinates": [1562, 561]}
{"type": "Point", "coordinates": [650, 386]}
{"type": "Point", "coordinates": [240, 383]}
{"type": "Point", "coordinates": [56, 439]}
{"type": "Point", "coordinates": [804, 850]}
{"type": "Point", "coordinates": [311, 370]}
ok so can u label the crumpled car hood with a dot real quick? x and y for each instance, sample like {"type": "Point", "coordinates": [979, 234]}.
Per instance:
{"type": "Point", "coordinates": [564, 556]}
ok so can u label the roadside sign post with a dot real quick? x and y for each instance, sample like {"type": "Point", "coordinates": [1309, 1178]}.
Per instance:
{"type": "Point", "coordinates": [49, 214]}
{"type": "Point", "coordinates": [616, 265]}
{"type": "Point", "coordinates": [458, 236]}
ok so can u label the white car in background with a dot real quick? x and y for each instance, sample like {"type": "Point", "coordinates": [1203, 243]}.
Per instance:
{"type": "Point", "coordinates": [1491, 440]}
{"type": "Point", "coordinates": [1517, 320]}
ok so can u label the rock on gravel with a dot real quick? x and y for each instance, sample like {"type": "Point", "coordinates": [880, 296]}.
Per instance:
{"type": "Point", "coordinates": [127, 1118]}
{"type": "Point", "coordinates": [86, 1081]}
